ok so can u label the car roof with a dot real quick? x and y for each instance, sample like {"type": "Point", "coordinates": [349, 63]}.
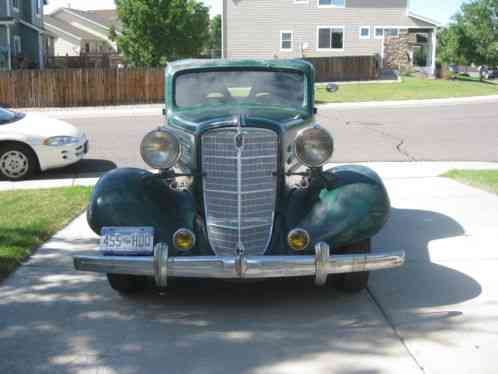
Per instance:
{"type": "Point", "coordinates": [193, 64]}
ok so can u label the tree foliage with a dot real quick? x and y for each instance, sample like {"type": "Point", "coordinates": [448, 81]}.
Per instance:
{"type": "Point", "coordinates": [214, 42]}
{"type": "Point", "coordinates": [472, 37]}
{"type": "Point", "coordinates": [157, 31]}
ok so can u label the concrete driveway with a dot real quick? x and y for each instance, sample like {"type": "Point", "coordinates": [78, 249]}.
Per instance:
{"type": "Point", "coordinates": [438, 314]}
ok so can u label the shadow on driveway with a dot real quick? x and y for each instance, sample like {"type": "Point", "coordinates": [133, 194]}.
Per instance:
{"type": "Point", "coordinates": [72, 321]}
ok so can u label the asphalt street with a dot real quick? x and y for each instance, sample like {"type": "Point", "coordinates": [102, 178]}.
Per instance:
{"type": "Point", "coordinates": [463, 132]}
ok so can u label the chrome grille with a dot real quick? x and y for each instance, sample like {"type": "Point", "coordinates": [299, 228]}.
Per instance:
{"type": "Point", "coordinates": [239, 188]}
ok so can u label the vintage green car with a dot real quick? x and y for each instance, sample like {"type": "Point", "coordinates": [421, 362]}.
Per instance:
{"type": "Point", "coordinates": [240, 192]}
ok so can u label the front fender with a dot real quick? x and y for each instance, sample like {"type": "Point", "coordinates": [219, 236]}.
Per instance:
{"type": "Point", "coordinates": [345, 205]}
{"type": "Point", "coordinates": [135, 197]}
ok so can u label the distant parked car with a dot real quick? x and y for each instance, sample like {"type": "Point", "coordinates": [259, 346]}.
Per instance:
{"type": "Point", "coordinates": [30, 143]}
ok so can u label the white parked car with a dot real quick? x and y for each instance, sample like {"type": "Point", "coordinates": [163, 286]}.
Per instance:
{"type": "Point", "coordinates": [31, 143]}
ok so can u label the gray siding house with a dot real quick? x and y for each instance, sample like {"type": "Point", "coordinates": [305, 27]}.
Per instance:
{"type": "Point", "coordinates": [324, 28]}
{"type": "Point", "coordinates": [79, 32]}
{"type": "Point", "coordinates": [22, 37]}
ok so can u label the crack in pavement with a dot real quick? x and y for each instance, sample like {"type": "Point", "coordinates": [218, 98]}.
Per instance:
{"type": "Point", "coordinates": [399, 146]}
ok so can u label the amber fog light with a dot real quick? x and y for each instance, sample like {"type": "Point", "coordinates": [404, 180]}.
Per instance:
{"type": "Point", "coordinates": [184, 239]}
{"type": "Point", "coordinates": [298, 239]}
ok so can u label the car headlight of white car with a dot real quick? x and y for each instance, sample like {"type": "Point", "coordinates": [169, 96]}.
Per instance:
{"type": "Point", "coordinates": [57, 141]}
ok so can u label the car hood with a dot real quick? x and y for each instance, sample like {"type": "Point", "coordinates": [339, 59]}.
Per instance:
{"type": "Point", "coordinates": [40, 126]}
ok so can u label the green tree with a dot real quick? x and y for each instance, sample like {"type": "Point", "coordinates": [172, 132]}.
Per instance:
{"type": "Point", "coordinates": [157, 31]}
{"type": "Point", "coordinates": [472, 37]}
{"type": "Point", "coordinates": [214, 42]}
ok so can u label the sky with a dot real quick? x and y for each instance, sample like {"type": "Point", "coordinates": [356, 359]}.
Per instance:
{"type": "Point", "coordinates": [440, 10]}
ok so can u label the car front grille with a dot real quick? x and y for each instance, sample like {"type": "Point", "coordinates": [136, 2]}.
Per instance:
{"type": "Point", "coordinates": [239, 186]}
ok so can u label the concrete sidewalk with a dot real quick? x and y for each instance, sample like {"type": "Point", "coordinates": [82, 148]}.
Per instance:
{"type": "Point", "coordinates": [438, 314]}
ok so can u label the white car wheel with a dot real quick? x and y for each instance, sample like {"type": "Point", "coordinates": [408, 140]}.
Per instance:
{"type": "Point", "coordinates": [16, 162]}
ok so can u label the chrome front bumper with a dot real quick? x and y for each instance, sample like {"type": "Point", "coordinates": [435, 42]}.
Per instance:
{"type": "Point", "coordinates": [160, 266]}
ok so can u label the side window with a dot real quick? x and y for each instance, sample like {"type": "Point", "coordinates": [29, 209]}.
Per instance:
{"type": "Point", "coordinates": [17, 45]}
{"type": "Point", "coordinates": [381, 32]}
{"type": "Point", "coordinates": [391, 32]}
{"type": "Point", "coordinates": [37, 6]}
{"type": "Point", "coordinates": [331, 3]}
{"type": "Point", "coordinates": [365, 32]}
{"type": "Point", "coordinates": [330, 38]}
{"type": "Point", "coordinates": [286, 40]}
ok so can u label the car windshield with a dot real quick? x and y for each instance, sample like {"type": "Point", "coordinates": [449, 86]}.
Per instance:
{"type": "Point", "coordinates": [241, 87]}
{"type": "Point", "coordinates": [6, 116]}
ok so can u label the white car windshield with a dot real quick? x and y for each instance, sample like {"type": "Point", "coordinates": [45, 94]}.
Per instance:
{"type": "Point", "coordinates": [7, 116]}
{"type": "Point", "coordinates": [241, 87]}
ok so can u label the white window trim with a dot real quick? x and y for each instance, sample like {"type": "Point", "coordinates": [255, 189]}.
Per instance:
{"type": "Point", "coordinates": [387, 27]}
{"type": "Point", "coordinates": [331, 5]}
{"type": "Point", "coordinates": [292, 40]}
{"type": "Point", "coordinates": [318, 49]}
{"type": "Point", "coordinates": [17, 38]}
{"type": "Point", "coordinates": [301, 2]}
{"type": "Point", "coordinates": [369, 32]}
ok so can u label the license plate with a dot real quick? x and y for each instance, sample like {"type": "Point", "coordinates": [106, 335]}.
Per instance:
{"type": "Point", "coordinates": [131, 240]}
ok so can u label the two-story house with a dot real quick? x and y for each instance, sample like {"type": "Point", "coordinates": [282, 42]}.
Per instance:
{"type": "Point", "coordinates": [21, 34]}
{"type": "Point", "coordinates": [79, 32]}
{"type": "Point", "coordinates": [323, 28]}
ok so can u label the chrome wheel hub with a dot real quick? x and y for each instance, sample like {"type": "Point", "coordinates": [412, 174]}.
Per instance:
{"type": "Point", "coordinates": [14, 164]}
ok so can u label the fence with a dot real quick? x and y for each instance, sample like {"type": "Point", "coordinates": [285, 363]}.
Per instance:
{"type": "Point", "coordinates": [334, 69]}
{"type": "Point", "coordinates": [97, 86]}
{"type": "Point", "coordinates": [81, 87]}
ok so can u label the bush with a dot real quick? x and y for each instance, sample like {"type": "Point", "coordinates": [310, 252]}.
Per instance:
{"type": "Point", "coordinates": [420, 57]}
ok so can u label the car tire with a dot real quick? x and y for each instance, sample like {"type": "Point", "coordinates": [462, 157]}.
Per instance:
{"type": "Point", "coordinates": [127, 284]}
{"type": "Point", "coordinates": [353, 282]}
{"type": "Point", "coordinates": [17, 162]}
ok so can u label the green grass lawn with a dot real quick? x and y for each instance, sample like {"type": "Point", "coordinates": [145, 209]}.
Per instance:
{"type": "Point", "coordinates": [484, 179]}
{"type": "Point", "coordinates": [408, 89]}
{"type": "Point", "coordinates": [28, 218]}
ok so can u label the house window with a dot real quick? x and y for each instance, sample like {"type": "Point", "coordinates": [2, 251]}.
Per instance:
{"type": "Point", "coordinates": [15, 5]}
{"type": "Point", "coordinates": [286, 39]}
{"type": "Point", "coordinates": [330, 38]}
{"type": "Point", "coordinates": [365, 32]}
{"type": "Point", "coordinates": [87, 47]}
{"type": "Point", "coordinates": [391, 32]}
{"type": "Point", "coordinates": [17, 45]}
{"type": "Point", "coordinates": [331, 3]}
{"type": "Point", "coordinates": [37, 6]}
{"type": "Point", "coordinates": [380, 32]}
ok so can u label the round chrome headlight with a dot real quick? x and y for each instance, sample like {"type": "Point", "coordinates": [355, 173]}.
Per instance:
{"type": "Point", "coordinates": [160, 149]}
{"type": "Point", "coordinates": [313, 146]}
